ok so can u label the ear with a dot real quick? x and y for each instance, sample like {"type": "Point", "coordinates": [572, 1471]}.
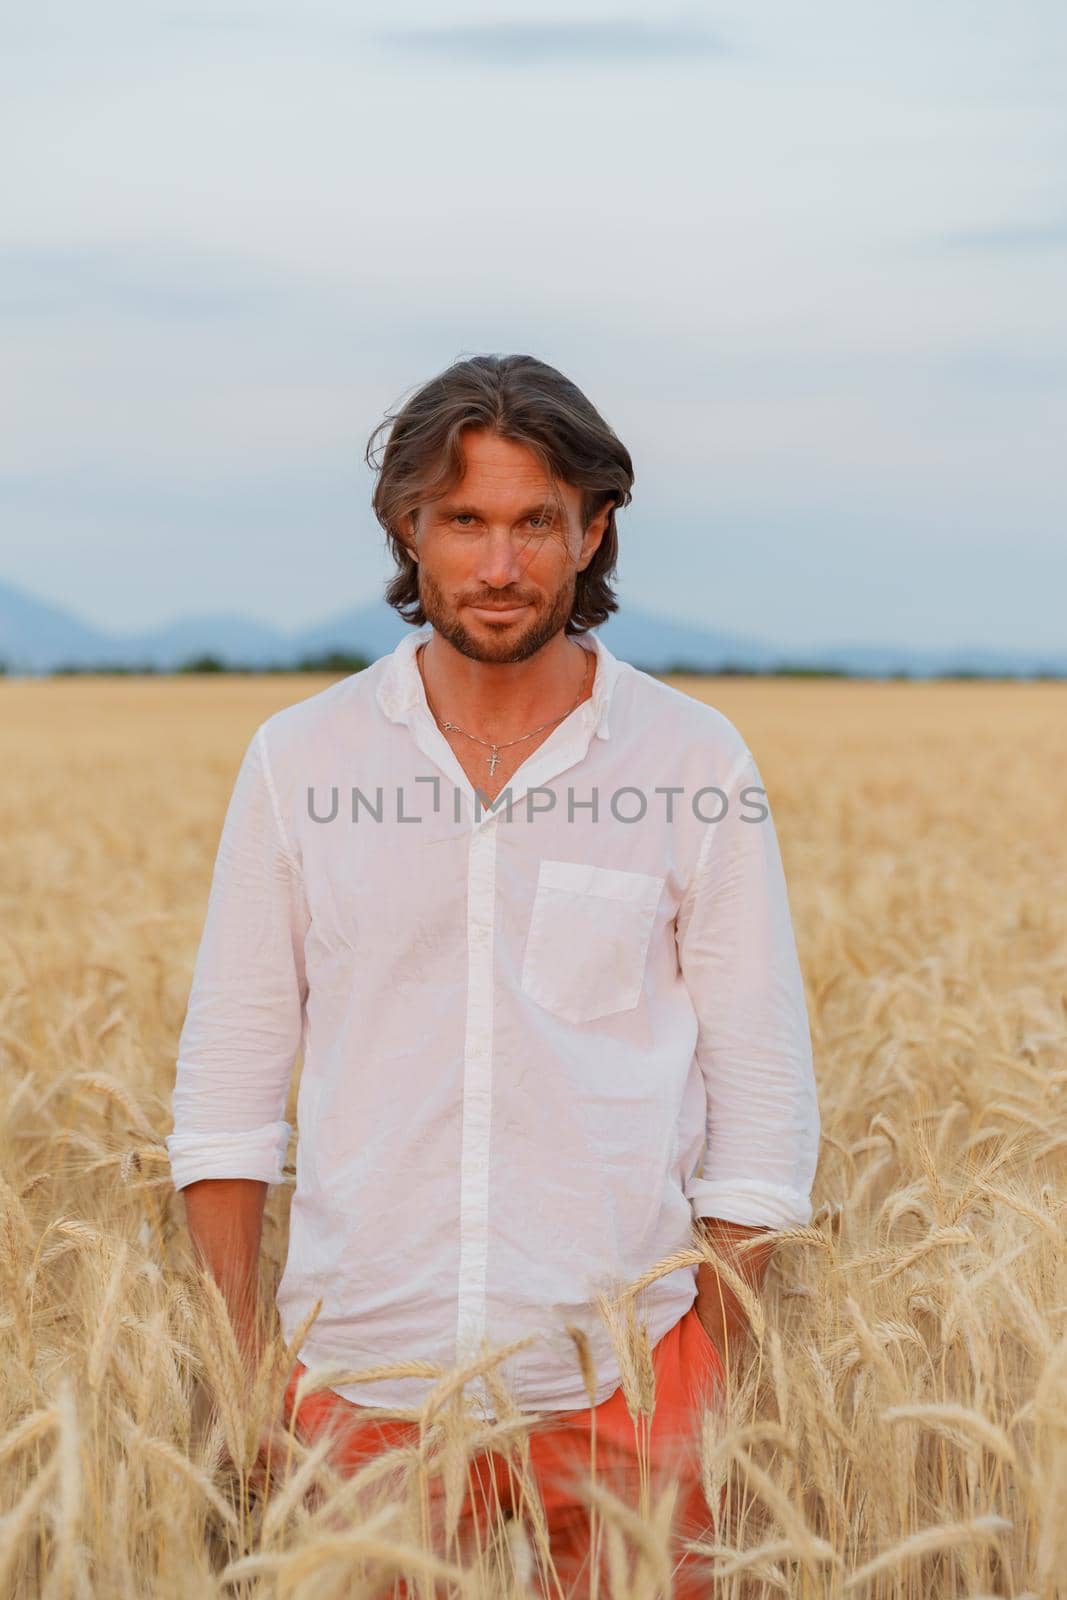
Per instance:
{"type": "Point", "coordinates": [408, 535]}
{"type": "Point", "coordinates": [593, 534]}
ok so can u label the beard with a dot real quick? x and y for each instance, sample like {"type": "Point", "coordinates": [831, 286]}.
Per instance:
{"type": "Point", "coordinates": [502, 644]}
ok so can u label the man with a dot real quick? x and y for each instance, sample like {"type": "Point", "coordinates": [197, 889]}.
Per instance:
{"type": "Point", "coordinates": [523, 908]}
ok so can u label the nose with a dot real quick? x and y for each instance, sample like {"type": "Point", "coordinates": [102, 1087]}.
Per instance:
{"type": "Point", "coordinates": [500, 562]}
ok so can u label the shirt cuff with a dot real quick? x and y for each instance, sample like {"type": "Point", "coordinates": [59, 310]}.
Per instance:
{"type": "Point", "coordinates": [750, 1202]}
{"type": "Point", "coordinates": [256, 1153]}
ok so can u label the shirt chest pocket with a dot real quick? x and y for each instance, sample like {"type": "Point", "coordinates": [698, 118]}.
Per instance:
{"type": "Point", "coordinates": [588, 938]}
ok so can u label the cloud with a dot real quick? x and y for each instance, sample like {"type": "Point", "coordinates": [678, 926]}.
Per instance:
{"type": "Point", "coordinates": [135, 280]}
{"type": "Point", "coordinates": [522, 44]}
{"type": "Point", "coordinates": [1011, 237]}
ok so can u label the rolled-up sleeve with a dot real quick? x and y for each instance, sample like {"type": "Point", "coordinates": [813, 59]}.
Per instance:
{"type": "Point", "coordinates": [244, 1022]}
{"type": "Point", "coordinates": [738, 957]}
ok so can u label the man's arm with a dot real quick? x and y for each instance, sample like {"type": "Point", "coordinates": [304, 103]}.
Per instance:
{"type": "Point", "coordinates": [242, 1032]}
{"type": "Point", "coordinates": [720, 1310]}
{"type": "Point", "coordinates": [225, 1219]}
{"type": "Point", "coordinates": [737, 954]}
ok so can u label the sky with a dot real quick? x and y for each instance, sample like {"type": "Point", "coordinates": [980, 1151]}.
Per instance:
{"type": "Point", "coordinates": [808, 260]}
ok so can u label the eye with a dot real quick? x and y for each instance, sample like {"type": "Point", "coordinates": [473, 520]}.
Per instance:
{"type": "Point", "coordinates": [461, 515]}
{"type": "Point", "coordinates": [542, 519]}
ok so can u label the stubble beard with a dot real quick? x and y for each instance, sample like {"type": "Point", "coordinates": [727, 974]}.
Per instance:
{"type": "Point", "coordinates": [511, 645]}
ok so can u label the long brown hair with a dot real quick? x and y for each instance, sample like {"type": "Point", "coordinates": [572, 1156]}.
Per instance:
{"type": "Point", "coordinates": [521, 399]}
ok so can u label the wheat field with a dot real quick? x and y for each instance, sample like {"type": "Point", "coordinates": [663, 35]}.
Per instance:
{"type": "Point", "coordinates": [897, 1425]}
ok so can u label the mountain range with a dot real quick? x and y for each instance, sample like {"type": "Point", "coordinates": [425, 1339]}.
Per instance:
{"type": "Point", "coordinates": [38, 637]}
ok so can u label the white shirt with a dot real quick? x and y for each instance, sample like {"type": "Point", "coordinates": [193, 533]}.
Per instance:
{"type": "Point", "coordinates": [523, 1038]}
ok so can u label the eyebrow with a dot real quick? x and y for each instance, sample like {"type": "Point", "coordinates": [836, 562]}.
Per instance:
{"type": "Point", "coordinates": [454, 508]}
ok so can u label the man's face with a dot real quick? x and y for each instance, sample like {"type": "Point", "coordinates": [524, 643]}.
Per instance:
{"type": "Point", "coordinates": [497, 564]}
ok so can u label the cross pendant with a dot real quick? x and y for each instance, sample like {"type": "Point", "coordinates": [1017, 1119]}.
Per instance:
{"type": "Point", "coordinates": [492, 762]}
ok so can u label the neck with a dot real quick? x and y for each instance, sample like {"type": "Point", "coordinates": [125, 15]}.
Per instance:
{"type": "Point", "coordinates": [503, 699]}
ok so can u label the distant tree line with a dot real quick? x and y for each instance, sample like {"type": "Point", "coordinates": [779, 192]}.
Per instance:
{"type": "Point", "coordinates": [338, 661]}
{"type": "Point", "coordinates": [800, 669]}
{"type": "Point", "coordinates": [343, 662]}
{"type": "Point", "coordinates": [734, 669]}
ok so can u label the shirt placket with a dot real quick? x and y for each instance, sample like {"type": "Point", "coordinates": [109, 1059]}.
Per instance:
{"type": "Point", "coordinates": [477, 1106]}
{"type": "Point", "coordinates": [563, 749]}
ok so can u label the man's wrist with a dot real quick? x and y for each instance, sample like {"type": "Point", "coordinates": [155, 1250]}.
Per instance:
{"type": "Point", "coordinates": [718, 1312]}
{"type": "Point", "coordinates": [721, 1311]}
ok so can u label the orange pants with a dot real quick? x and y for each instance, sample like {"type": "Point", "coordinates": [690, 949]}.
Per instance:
{"type": "Point", "coordinates": [688, 1371]}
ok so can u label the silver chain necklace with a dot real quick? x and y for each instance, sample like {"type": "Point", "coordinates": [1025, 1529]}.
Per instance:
{"type": "Point", "coordinates": [494, 757]}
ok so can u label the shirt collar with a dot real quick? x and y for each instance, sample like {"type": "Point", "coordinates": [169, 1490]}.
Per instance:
{"type": "Point", "coordinates": [400, 689]}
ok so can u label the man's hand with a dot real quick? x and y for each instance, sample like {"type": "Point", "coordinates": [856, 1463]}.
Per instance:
{"type": "Point", "coordinates": [273, 1462]}
{"type": "Point", "coordinates": [718, 1307]}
